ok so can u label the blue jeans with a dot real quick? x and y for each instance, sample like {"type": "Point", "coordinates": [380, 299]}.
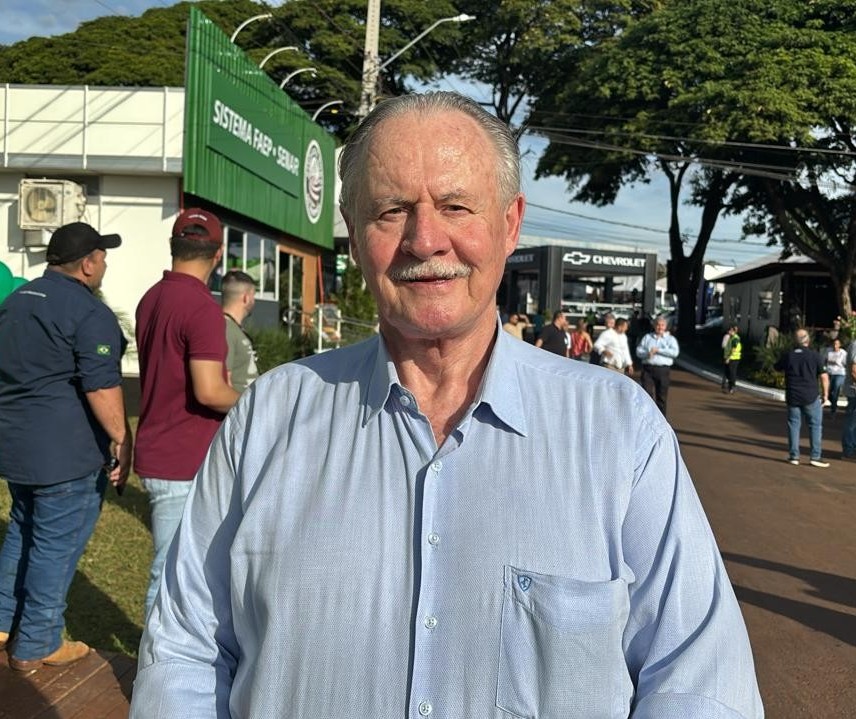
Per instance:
{"type": "Point", "coordinates": [48, 530]}
{"type": "Point", "coordinates": [836, 382]}
{"type": "Point", "coordinates": [813, 414]}
{"type": "Point", "coordinates": [848, 435]}
{"type": "Point", "coordinates": [166, 499]}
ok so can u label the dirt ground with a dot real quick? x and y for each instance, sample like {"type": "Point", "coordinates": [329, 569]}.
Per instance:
{"type": "Point", "coordinates": [788, 536]}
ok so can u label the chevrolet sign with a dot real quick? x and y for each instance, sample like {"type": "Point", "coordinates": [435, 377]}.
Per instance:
{"type": "Point", "coordinates": [581, 258]}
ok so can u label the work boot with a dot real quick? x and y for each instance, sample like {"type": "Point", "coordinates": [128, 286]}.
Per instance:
{"type": "Point", "coordinates": [68, 653]}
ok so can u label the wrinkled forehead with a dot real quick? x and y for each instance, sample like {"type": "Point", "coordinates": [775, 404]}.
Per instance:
{"type": "Point", "coordinates": [445, 142]}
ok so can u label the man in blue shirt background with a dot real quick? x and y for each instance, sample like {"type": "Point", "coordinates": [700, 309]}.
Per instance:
{"type": "Point", "coordinates": [62, 419]}
{"type": "Point", "coordinates": [658, 350]}
{"type": "Point", "coordinates": [442, 521]}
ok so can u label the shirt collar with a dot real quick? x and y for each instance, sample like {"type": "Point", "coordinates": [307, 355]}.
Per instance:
{"type": "Point", "coordinates": [173, 276]}
{"type": "Point", "coordinates": [499, 391]}
{"type": "Point", "coordinates": [61, 276]}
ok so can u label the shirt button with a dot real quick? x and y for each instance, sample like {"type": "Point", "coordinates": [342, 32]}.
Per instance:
{"type": "Point", "coordinates": [437, 466]}
{"type": "Point", "coordinates": [425, 708]}
{"type": "Point", "coordinates": [405, 400]}
{"type": "Point", "coordinates": [430, 622]}
{"type": "Point", "coordinates": [434, 539]}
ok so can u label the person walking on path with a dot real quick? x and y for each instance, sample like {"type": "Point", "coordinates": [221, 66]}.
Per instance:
{"type": "Point", "coordinates": [554, 336]}
{"type": "Point", "coordinates": [613, 349]}
{"type": "Point", "coordinates": [238, 297]}
{"type": "Point", "coordinates": [803, 367]}
{"type": "Point", "coordinates": [580, 342]}
{"type": "Point", "coordinates": [732, 352]}
{"type": "Point", "coordinates": [63, 437]}
{"type": "Point", "coordinates": [608, 330]}
{"type": "Point", "coordinates": [181, 340]}
{"type": "Point", "coordinates": [368, 534]}
{"type": "Point", "coordinates": [836, 366]}
{"type": "Point", "coordinates": [848, 432]}
{"type": "Point", "coordinates": [657, 350]}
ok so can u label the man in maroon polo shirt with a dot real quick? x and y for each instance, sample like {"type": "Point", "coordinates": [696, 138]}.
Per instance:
{"type": "Point", "coordinates": [181, 342]}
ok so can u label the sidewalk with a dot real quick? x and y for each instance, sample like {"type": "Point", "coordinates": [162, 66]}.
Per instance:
{"type": "Point", "coordinates": [700, 370]}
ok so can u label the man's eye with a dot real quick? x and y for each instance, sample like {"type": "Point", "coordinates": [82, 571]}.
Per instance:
{"type": "Point", "coordinates": [456, 208]}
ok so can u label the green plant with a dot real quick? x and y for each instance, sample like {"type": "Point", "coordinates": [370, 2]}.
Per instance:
{"type": "Point", "coordinates": [274, 347]}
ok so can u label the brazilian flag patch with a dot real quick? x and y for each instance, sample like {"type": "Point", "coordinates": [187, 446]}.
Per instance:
{"type": "Point", "coordinates": [103, 350]}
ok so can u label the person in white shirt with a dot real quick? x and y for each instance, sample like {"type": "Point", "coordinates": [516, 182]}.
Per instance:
{"type": "Point", "coordinates": [836, 363]}
{"type": "Point", "coordinates": [613, 348]}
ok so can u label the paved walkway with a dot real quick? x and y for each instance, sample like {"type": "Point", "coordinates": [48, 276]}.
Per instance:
{"type": "Point", "coordinates": [787, 535]}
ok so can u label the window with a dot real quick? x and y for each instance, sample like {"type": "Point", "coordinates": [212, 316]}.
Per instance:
{"type": "Point", "coordinates": [255, 255]}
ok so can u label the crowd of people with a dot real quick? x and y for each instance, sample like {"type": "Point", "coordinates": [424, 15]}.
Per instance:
{"type": "Point", "coordinates": [814, 380]}
{"type": "Point", "coordinates": [64, 434]}
{"type": "Point", "coordinates": [655, 350]}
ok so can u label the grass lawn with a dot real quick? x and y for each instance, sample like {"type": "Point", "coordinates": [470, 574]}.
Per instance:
{"type": "Point", "coordinates": [105, 603]}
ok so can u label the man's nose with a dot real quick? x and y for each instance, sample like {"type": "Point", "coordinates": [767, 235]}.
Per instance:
{"type": "Point", "coordinates": [425, 233]}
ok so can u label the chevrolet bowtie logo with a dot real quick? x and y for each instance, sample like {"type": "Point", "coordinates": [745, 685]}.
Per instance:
{"type": "Point", "coordinates": [576, 258]}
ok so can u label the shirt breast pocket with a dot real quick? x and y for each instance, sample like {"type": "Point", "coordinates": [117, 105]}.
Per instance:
{"type": "Point", "coordinates": [561, 653]}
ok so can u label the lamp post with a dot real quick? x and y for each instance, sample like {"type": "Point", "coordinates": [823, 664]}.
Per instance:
{"type": "Point", "coordinates": [297, 72]}
{"type": "Point", "coordinates": [325, 106]}
{"type": "Point", "coordinates": [371, 63]}
{"type": "Point", "coordinates": [463, 17]}
{"type": "Point", "coordinates": [265, 16]}
{"type": "Point", "coordinates": [275, 52]}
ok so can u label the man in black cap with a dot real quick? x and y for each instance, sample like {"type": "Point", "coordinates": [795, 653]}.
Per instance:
{"type": "Point", "coordinates": [63, 436]}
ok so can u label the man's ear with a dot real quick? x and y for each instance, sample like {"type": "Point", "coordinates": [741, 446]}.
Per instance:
{"type": "Point", "coordinates": [352, 239]}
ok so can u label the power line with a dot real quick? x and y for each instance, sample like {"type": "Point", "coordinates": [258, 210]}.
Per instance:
{"type": "Point", "coordinates": [696, 141]}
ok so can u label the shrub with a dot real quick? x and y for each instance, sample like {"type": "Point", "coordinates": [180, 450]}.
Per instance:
{"type": "Point", "coordinates": [274, 347]}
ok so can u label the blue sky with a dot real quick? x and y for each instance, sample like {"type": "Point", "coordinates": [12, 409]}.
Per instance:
{"type": "Point", "coordinates": [645, 206]}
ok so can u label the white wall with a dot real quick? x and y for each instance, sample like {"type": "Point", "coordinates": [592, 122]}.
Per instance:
{"type": "Point", "coordinates": [140, 209]}
{"type": "Point", "coordinates": [129, 141]}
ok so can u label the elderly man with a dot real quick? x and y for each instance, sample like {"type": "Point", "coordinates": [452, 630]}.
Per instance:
{"type": "Point", "coordinates": [62, 419]}
{"type": "Point", "coordinates": [803, 367]}
{"type": "Point", "coordinates": [368, 535]}
{"type": "Point", "coordinates": [658, 350]}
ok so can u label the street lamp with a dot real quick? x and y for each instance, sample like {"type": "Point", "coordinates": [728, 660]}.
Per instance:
{"type": "Point", "coordinates": [325, 106]}
{"type": "Point", "coordinates": [275, 52]}
{"type": "Point", "coordinates": [463, 17]}
{"type": "Point", "coordinates": [265, 16]}
{"type": "Point", "coordinates": [371, 65]}
{"type": "Point", "coordinates": [297, 72]}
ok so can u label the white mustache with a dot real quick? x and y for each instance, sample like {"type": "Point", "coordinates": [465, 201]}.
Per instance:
{"type": "Point", "coordinates": [432, 269]}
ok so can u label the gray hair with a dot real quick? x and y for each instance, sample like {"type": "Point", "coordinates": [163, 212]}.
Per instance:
{"type": "Point", "coordinates": [351, 161]}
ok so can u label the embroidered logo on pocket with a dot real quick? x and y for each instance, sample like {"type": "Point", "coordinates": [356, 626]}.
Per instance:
{"type": "Point", "coordinates": [524, 581]}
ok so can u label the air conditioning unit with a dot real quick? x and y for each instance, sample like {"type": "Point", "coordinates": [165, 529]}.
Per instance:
{"type": "Point", "coordinates": [48, 204]}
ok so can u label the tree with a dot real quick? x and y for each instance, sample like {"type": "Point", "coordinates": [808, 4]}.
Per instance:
{"type": "Point", "coordinates": [148, 51]}
{"type": "Point", "coordinates": [690, 91]}
{"type": "Point", "coordinates": [516, 48]}
{"type": "Point", "coordinates": [808, 204]}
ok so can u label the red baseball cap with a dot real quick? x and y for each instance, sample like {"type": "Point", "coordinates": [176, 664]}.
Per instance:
{"type": "Point", "coordinates": [198, 224]}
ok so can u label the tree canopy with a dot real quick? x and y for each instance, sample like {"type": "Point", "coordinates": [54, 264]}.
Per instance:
{"type": "Point", "coordinates": [703, 91]}
{"type": "Point", "coordinates": [148, 51]}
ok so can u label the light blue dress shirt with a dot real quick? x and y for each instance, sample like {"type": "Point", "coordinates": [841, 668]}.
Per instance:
{"type": "Point", "coordinates": [551, 560]}
{"type": "Point", "coordinates": [667, 349]}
